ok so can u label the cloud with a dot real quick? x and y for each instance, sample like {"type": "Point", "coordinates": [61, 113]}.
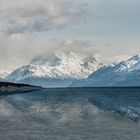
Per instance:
{"type": "Point", "coordinates": [18, 16]}
{"type": "Point", "coordinates": [19, 49]}
{"type": "Point", "coordinates": [119, 58]}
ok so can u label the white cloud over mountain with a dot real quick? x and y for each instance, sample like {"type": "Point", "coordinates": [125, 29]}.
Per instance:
{"type": "Point", "coordinates": [17, 50]}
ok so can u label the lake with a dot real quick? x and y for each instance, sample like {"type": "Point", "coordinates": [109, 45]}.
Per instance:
{"type": "Point", "coordinates": [71, 114]}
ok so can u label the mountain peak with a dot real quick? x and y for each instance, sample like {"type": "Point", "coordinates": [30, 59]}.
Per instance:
{"type": "Point", "coordinates": [128, 64]}
{"type": "Point", "coordinates": [135, 57]}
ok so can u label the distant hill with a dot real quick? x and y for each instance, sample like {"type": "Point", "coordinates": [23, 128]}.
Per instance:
{"type": "Point", "coordinates": [6, 86]}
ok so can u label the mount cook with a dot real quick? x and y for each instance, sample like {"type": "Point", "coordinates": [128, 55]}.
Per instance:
{"type": "Point", "coordinates": [57, 70]}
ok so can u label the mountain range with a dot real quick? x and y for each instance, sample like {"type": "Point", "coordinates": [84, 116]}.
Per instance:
{"type": "Point", "coordinates": [125, 73]}
{"type": "Point", "coordinates": [57, 70]}
{"type": "Point", "coordinates": [77, 70]}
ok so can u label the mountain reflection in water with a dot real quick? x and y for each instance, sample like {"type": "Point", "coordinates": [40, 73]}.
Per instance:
{"type": "Point", "coordinates": [71, 114]}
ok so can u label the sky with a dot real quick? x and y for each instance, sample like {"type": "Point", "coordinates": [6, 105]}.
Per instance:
{"type": "Point", "coordinates": [108, 29]}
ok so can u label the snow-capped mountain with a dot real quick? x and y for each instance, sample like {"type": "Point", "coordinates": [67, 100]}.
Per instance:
{"type": "Point", "coordinates": [57, 70]}
{"type": "Point", "coordinates": [125, 73]}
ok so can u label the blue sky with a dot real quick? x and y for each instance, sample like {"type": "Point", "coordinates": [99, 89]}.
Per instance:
{"type": "Point", "coordinates": [107, 28]}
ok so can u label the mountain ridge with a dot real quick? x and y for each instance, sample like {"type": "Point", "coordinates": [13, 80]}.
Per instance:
{"type": "Point", "coordinates": [125, 73]}
{"type": "Point", "coordinates": [57, 70]}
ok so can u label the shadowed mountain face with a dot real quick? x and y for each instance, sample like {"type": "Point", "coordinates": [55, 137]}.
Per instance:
{"type": "Point", "coordinates": [126, 73]}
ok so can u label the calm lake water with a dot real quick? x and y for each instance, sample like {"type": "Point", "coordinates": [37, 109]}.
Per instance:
{"type": "Point", "coordinates": [71, 114]}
